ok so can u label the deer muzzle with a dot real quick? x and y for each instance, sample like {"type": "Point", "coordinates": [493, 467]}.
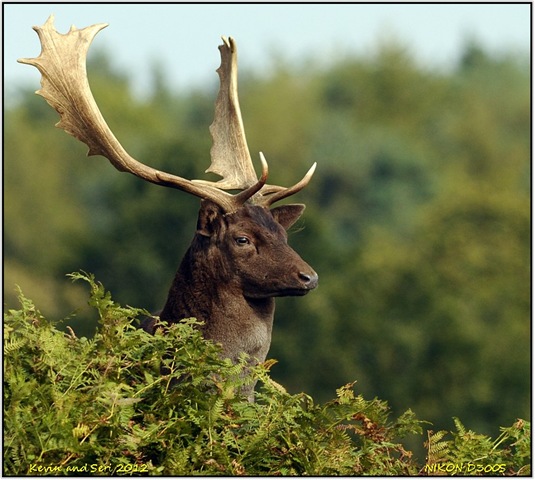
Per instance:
{"type": "Point", "coordinates": [309, 280]}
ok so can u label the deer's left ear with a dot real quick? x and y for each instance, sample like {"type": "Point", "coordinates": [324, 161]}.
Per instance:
{"type": "Point", "coordinates": [287, 215]}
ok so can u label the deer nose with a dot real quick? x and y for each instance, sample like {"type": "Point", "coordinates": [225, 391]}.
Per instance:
{"type": "Point", "coordinates": [310, 280]}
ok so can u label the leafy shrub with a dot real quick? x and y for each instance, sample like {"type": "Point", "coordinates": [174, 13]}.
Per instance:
{"type": "Point", "coordinates": [102, 406]}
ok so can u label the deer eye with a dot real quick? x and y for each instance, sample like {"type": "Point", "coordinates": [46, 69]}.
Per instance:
{"type": "Point", "coordinates": [242, 241]}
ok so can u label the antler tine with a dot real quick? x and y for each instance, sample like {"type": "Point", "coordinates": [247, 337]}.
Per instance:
{"type": "Point", "coordinates": [62, 63]}
{"type": "Point", "coordinates": [242, 197]}
{"type": "Point", "coordinates": [281, 192]}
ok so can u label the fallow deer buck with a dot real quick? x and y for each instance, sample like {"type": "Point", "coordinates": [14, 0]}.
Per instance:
{"type": "Point", "coordinates": [239, 259]}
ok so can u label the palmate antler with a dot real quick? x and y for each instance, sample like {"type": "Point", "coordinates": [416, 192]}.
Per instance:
{"type": "Point", "coordinates": [62, 63]}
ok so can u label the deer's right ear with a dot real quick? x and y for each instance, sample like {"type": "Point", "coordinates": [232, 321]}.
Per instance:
{"type": "Point", "coordinates": [287, 215]}
{"type": "Point", "coordinates": [208, 221]}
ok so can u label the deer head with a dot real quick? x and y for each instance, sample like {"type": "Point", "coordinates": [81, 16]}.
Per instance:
{"type": "Point", "coordinates": [62, 63]}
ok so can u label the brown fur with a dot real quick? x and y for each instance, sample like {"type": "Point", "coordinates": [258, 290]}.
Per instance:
{"type": "Point", "coordinates": [229, 283]}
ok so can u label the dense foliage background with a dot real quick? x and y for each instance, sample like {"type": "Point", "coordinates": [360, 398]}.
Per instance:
{"type": "Point", "coordinates": [417, 220]}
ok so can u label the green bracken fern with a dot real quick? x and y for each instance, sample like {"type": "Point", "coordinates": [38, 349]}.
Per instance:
{"type": "Point", "coordinates": [101, 406]}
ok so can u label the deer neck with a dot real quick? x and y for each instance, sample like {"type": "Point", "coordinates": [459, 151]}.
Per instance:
{"type": "Point", "coordinates": [199, 290]}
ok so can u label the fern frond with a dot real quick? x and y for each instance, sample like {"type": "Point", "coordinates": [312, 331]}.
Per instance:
{"type": "Point", "coordinates": [436, 447]}
{"type": "Point", "coordinates": [433, 438]}
{"type": "Point", "coordinates": [461, 430]}
{"type": "Point", "coordinates": [13, 345]}
{"type": "Point", "coordinates": [215, 411]}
